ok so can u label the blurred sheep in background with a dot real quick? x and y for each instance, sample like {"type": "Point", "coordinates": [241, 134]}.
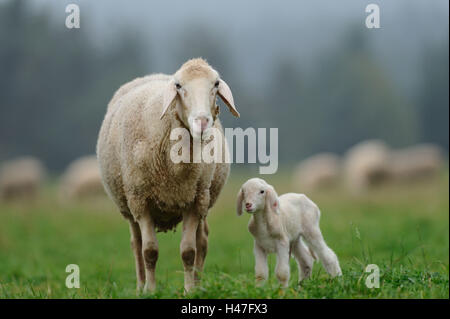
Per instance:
{"type": "Point", "coordinates": [321, 171]}
{"type": "Point", "coordinates": [416, 163]}
{"type": "Point", "coordinates": [81, 179]}
{"type": "Point", "coordinates": [366, 165]}
{"type": "Point", "coordinates": [21, 178]}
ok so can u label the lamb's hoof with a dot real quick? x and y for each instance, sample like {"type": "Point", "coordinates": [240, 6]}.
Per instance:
{"type": "Point", "coordinates": [336, 273]}
{"type": "Point", "coordinates": [284, 283]}
{"type": "Point", "coordinates": [260, 281]}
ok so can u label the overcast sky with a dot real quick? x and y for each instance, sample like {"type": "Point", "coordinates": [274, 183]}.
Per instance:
{"type": "Point", "coordinates": [261, 31]}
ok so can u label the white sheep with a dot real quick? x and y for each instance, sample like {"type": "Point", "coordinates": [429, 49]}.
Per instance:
{"type": "Point", "coordinates": [21, 178]}
{"type": "Point", "coordinates": [366, 165]}
{"type": "Point", "coordinates": [416, 163]}
{"type": "Point", "coordinates": [317, 172]}
{"type": "Point", "coordinates": [82, 179]}
{"type": "Point", "coordinates": [150, 190]}
{"type": "Point", "coordinates": [278, 225]}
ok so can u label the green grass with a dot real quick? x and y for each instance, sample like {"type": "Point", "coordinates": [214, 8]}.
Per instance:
{"type": "Point", "coordinates": [404, 230]}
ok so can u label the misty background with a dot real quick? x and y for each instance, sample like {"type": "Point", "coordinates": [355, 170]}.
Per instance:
{"type": "Point", "coordinates": [310, 68]}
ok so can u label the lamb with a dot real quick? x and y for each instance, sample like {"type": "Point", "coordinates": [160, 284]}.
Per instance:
{"type": "Point", "coordinates": [317, 172]}
{"type": "Point", "coordinates": [82, 179]}
{"type": "Point", "coordinates": [21, 178]}
{"type": "Point", "coordinates": [366, 165]}
{"type": "Point", "coordinates": [279, 225]}
{"type": "Point", "coordinates": [151, 191]}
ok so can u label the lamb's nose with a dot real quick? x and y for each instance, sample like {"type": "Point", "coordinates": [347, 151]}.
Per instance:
{"type": "Point", "coordinates": [248, 205]}
{"type": "Point", "coordinates": [202, 121]}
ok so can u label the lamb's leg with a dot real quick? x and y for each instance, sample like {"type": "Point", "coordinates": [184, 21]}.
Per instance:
{"type": "Point", "coordinates": [304, 260]}
{"type": "Point", "coordinates": [202, 248]}
{"type": "Point", "coordinates": [261, 267]}
{"type": "Point", "coordinates": [282, 269]}
{"type": "Point", "coordinates": [149, 242]}
{"type": "Point", "coordinates": [136, 246]}
{"type": "Point", "coordinates": [314, 238]}
{"type": "Point", "coordinates": [188, 248]}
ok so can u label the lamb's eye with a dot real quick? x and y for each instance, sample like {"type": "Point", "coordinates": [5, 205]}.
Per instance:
{"type": "Point", "coordinates": [216, 84]}
{"type": "Point", "coordinates": [261, 192]}
{"type": "Point", "coordinates": [178, 86]}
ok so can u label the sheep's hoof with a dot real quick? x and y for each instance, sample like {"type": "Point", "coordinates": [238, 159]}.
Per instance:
{"type": "Point", "coordinates": [187, 292]}
{"type": "Point", "coordinates": [139, 290]}
{"type": "Point", "coordinates": [188, 289]}
{"type": "Point", "coordinates": [149, 287]}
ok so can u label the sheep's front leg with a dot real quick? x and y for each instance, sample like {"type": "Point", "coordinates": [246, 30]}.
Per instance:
{"type": "Point", "coordinates": [261, 267]}
{"type": "Point", "coordinates": [188, 248]}
{"type": "Point", "coordinates": [202, 248]}
{"type": "Point", "coordinates": [149, 245]}
{"type": "Point", "coordinates": [282, 270]}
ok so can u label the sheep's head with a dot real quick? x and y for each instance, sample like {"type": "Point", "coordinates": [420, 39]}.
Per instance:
{"type": "Point", "coordinates": [255, 196]}
{"type": "Point", "coordinates": [193, 91]}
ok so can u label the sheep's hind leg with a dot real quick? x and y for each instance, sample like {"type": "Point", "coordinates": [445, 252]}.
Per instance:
{"type": "Point", "coordinates": [304, 259]}
{"type": "Point", "coordinates": [136, 246]}
{"type": "Point", "coordinates": [188, 248]}
{"type": "Point", "coordinates": [315, 240]}
{"type": "Point", "coordinates": [202, 248]}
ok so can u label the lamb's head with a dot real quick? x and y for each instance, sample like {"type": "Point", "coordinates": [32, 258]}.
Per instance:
{"type": "Point", "coordinates": [256, 196]}
{"type": "Point", "coordinates": [193, 91]}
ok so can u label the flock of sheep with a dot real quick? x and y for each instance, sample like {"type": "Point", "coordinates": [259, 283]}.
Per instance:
{"type": "Point", "coordinates": [22, 179]}
{"type": "Point", "coordinates": [134, 167]}
{"type": "Point", "coordinates": [368, 165]}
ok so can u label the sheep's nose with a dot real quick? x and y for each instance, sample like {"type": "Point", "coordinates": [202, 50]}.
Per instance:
{"type": "Point", "coordinates": [248, 205]}
{"type": "Point", "coordinates": [202, 122]}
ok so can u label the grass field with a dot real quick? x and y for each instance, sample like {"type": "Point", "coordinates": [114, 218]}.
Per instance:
{"type": "Point", "coordinates": [404, 230]}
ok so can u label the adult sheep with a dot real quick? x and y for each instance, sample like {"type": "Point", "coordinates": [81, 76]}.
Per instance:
{"type": "Point", "coordinates": [81, 179]}
{"type": "Point", "coordinates": [21, 178]}
{"type": "Point", "coordinates": [320, 171]}
{"type": "Point", "coordinates": [366, 165]}
{"type": "Point", "coordinates": [416, 163]}
{"type": "Point", "coordinates": [151, 191]}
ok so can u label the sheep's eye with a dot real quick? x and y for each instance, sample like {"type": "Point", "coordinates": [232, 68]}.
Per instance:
{"type": "Point", "coordinates": [216, 84]}
{"type": "Point", "coordinates": [178, 86]}
{"type": "Point", "coordinates": [261, 192]}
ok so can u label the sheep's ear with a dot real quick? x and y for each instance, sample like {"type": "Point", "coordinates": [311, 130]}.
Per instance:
{"type": "Point", "coordinates": [168, 96]}
{"type": "Point", "coordinates": [240, 198]}
{"type": "Point", "coordinates": [272, 203]}
{"type": "Point", "coordinates": [227, 97]}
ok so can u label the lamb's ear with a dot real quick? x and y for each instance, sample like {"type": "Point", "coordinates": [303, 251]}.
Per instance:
{"type": "Point", "coordinates": [240, 198]}
{"type": "Point", "coordinates": [272, 203]}
{"type": "Point", "coordinates": [227, 97]}
{"type": "Point", "coordinates": [168, 96]}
